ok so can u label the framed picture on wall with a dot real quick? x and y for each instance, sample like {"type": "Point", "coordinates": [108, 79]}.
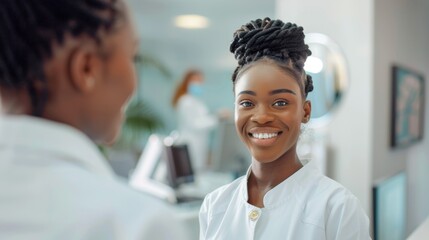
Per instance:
{"type": "Point", "coordinates": [407, 106]}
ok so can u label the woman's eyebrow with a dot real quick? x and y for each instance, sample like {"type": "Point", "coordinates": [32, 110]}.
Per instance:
{"type": "Point", "coordinates": [283, 90]}
{"type": "Point", "coordinates": [247, 92]}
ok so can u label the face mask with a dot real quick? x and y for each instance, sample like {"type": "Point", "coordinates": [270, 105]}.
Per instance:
{"type": "Point", "coordinates": [195, 89]}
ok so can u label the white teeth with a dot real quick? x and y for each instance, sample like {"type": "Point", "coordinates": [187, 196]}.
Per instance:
{"type": "Point", "coordinates": [264, 135]}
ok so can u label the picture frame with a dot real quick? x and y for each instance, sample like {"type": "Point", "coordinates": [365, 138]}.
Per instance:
{"type": "Point", "coordinates": [408, 98]}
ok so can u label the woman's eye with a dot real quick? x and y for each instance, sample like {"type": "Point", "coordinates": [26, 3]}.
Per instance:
{"type": "Point", "coordinates": [246, 104]}
{"type": "Point", "coordinates": [280, 103]}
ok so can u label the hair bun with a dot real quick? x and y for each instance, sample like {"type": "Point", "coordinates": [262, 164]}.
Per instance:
{"type": "Point", "coordinates": [271, 38]}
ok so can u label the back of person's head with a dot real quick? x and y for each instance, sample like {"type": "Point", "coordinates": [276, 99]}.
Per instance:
{"type": "Point", "coordinates": [182, 88]}
{"type": "Point", "coordinates": [272, 41]}
{"type": "Point", "coordinates": [59, 54]}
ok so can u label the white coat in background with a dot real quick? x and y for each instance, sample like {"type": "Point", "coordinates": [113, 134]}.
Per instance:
{"type": "Point", "coordinates": [55, 184]}
{"type": "Point", "coordinates": [194, 125]}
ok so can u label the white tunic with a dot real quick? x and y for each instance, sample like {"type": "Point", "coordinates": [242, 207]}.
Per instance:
{"type": "Point", "coordinates": [306, 206]}
{"type": "Point", "coordinates": [55, 184]}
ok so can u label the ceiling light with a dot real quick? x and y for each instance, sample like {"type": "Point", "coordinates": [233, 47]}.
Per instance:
{"type": "Point", "coordinates": [191, 21]}
{"type": "Point", "coordinates": [313, 65]}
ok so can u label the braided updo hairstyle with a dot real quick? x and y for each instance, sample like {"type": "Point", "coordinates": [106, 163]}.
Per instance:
{"type": "Point", "coordinates": [272, 41]}
{"type": "Point", "coordinates": [28, 30]}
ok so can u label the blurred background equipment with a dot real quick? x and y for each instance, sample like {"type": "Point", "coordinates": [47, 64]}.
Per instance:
{"type": "Point", "coordinates": [165, 170]}
{"type": "Point", "coordinates": [229, 155]}
{"type": "Point", "coordinates": [390, 207]}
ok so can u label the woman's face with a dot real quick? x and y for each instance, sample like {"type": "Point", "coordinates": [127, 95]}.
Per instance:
{"type": "Point", "coordinates": [116, 86]}
{"type": "Point", "coordinates": [269, 110]}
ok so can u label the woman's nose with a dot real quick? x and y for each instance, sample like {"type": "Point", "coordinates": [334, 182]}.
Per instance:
{"type": "Point", "coordinates": [262, 115]}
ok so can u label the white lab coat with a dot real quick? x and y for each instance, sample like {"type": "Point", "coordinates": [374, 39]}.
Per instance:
{"type": "Point", "coordinates": [307, 206]}
{"type": "Point", "coordinates": [55, 184]}
{"type": "Point", "coordinates": [194, 125]}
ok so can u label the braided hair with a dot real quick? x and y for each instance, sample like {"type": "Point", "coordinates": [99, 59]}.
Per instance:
{"type": "Point", "coordinates": [28, 30]}
{"type": "Point", "coordinates": [272, 41]}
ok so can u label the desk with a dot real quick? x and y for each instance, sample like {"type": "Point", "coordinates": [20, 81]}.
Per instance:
{"type": "Point", "coordinates": [421, 233]}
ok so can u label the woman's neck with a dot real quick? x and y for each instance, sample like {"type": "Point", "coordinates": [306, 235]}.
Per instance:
{"type": "Point", "coordinates": [265, 176]}
{"type": "Point", "coordinates": [14, 101]}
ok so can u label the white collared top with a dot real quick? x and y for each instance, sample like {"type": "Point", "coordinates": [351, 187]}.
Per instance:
{"type": "Point", "coordinates": [55, 184]}
{"type": "Point", "coordinates": [306, 206]}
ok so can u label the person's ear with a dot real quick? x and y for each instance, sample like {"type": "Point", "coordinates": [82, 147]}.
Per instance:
{"type": "Point", "coordinates": [84, 68]}
{"type": "Point", "coordinates": [307, 112]}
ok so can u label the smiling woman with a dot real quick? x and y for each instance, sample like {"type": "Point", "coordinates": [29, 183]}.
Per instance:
{"type": "Point", "coordinates": [279, 198]}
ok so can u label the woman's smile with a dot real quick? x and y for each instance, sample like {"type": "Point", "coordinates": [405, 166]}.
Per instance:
{"type": "Point", "coordinates": [264, 137]}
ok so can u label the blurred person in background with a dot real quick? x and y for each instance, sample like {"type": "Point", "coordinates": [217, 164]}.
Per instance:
{"type": "Point", "coordinates": [66, 76]}
{"type": "Point", "coordinates": [194, 120]}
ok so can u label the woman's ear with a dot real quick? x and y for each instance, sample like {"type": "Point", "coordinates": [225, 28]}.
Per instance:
{"type": "Point", "coordinates": [307, 111]}
{"type": "Point", "coordinates": [84, 65]}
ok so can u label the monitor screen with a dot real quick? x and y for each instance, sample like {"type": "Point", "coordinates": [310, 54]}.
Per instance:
{"type": "Point", "coordinates": [389, 206]}
{"type": "Point", "coordinates": [179, 165]}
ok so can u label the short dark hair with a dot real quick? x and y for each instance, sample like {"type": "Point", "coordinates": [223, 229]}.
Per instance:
{"type": "Point", "coordinates": [28, 29]}
{"type": "Point", "coordinates": [272, 41]}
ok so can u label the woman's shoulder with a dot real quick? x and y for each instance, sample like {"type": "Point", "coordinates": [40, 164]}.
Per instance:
{"type": "Point", "coordinates": [317, 190]}
{"type": "Point", "coordinates": [330, 190]}
{"type": "Point", "coordinates": [327, 201]}
{"type": "Point", "coordinates": [325, 196]}
{"type": "Point", "coordinates": [316, 185]}
{"type": "Point", "coordinates": [338, 209]}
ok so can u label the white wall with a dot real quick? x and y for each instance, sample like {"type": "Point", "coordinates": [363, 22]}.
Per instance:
{"type": "Point", "coordinates": [350, 24]}
{"type": "Point", "coordinates": [401, 36]}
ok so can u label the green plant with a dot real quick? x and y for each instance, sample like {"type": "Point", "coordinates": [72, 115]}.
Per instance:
{"type": "Point", "coordinates": [150, 61]}
{"type": "Point", "coordinates": [140, 120]}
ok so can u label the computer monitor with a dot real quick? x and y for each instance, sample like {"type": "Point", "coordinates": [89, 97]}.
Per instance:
{"type": "Point", "coordinates": [162, 168]}
{"type": "Point", "coordinates": [179, 165]}
{"type": "Point", "coordinates": [389, 208]}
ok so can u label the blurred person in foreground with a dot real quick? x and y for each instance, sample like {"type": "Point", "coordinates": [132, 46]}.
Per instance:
{"type": "Point", "coordinates": [66, 76]}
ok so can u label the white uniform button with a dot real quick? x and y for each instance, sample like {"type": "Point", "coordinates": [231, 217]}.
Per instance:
{"type": "Point", "coordinates": [254, 215]}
